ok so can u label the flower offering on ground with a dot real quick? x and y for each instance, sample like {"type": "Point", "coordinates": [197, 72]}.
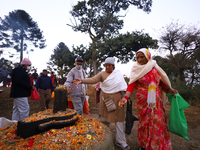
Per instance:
{"type": "Point", "coordinates": [83, 135]}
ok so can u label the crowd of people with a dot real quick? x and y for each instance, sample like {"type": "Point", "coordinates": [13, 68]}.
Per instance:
{"type": "Point", "coordinates": [150, 82]}
{"type": "Point", "coordinates": [23, 83]}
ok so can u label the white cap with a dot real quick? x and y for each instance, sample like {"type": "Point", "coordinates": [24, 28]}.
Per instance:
{"type": "Point", "coordinates": [110, 60]}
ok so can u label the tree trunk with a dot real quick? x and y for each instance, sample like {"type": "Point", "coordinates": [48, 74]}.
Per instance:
{"type": "Point", "coordinates": [94, 62]}
{"type": "Point", "coordinates": [180, 77]}
{"type": "Point", "coordinates": [21, 45]}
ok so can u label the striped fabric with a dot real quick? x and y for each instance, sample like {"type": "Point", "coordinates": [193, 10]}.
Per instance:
{"type": "Point", "coordinates": [151, 97]}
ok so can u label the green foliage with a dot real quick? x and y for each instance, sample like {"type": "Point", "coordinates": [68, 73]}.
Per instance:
{"type": "Point", "coordinates": [86, 54]}
{"type": "Point", "coordinates": [23, 30]}
{"type": "Point", "coordinates": [183, 44]}
{"type": "Point", "coordinates": [124, 46]}
{"type": "Point", "coordinates": [62, 60]}
{"type": "Point", "coordinates": [183, 60]}
{"type": "Point", "coordinates": [9, 64]}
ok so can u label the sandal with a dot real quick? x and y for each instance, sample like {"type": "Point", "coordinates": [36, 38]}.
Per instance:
{"type": "Point", "coordinates": [124, 148]}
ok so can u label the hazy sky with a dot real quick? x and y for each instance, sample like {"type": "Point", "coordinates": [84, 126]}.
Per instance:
{"type": "Point", "coordinates": [52, 17]}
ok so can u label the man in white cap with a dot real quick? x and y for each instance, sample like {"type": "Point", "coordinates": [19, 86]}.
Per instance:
{"type": "Point", "coordinates": [20, 90]}
{"type": "Point", "coordinates": [77, 93]}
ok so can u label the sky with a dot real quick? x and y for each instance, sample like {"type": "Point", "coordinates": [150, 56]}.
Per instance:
{"type": "Point", "coordinates": [52, 17]}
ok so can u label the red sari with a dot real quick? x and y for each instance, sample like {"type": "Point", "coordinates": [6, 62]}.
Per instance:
{"type": "Point", "coordinates": [52, 79]}
{"type": "Point", "coordinates": [152, 128]}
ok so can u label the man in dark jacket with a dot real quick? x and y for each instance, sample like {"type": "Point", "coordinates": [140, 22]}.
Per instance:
{"type": "Point", "coordinates": [20, 90]}
{"type": "Point", "coordinates": [3, 75]}
{"type": "Point", "coordinates": [44, 87]}
{"type": "Point", "coordinates": [35, 76]}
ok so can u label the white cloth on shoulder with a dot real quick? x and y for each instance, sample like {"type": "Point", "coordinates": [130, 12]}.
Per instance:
{"type": "Point", "coordinates": [114, 83]}
{"type": "Point", "coordinates": [138, 71]}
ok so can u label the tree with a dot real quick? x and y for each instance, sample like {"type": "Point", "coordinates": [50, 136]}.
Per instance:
{"type": "Point", "coordinates": [62, 60]}
{"type": "Point", "coordinates": [18, 29]}
{"type": "Point", "coordinates": [182, 62]}
{"type": "Point", "coordinates": [101, 20]}
{"type": "Point", "coordinates": [183, 44]}
{"type": "Point", "coordinates": [86, 54]}
{"type": "Point", "coordinates": [9, 64]}
{"type": "Point", "coordinates": [124, 46]}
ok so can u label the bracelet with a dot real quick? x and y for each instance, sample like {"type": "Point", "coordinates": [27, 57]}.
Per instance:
{"type": "Point", "coordinates": [126, 97]}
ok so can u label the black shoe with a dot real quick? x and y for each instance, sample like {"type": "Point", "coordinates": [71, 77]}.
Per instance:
{"type": "Point", "coordinates": [140, 148]}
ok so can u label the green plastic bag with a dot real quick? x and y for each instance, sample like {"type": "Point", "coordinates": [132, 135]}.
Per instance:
{"type": "Point", "coordinates": [177, 120]}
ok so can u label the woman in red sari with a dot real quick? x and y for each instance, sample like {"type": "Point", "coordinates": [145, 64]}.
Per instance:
{"type": "Point", "coordinates": [151, 84]}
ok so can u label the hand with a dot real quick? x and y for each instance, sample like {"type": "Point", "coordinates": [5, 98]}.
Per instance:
{"type": "Point", "coordinates": [76, 81]}
{"type": "Point", "coordinates": [173, 92]}
{"type": "Point", "coordinates": [33, 87]}
{"type": "Point", "coordinates": [122, 102]}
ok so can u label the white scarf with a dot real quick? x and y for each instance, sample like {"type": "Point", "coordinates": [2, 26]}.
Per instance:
{"type": "Point", "coordinates": [139, 71]}
{"type": "Point", "coordinates": [114, 83]}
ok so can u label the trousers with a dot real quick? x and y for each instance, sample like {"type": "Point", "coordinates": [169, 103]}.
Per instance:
{"type": "Point", "coordinates": [120, 133]}
{"type": "Point", "coordinates": [45, 97]}
{"type": "Point", "coordinates": [4, 79]}
{"type": "Point", "coordinates": [78, 103]}
{"type": "Point", "coordinates": [20, 108]}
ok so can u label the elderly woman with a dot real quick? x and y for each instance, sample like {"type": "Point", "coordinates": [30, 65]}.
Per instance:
{"type": "Point", "coordinates": [112, 85]}
{"type": "Point", "coordinates": [151, 84]}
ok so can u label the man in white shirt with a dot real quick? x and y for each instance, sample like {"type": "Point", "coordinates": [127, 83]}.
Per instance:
{"type": "Point", "coordinates": [77, 93]}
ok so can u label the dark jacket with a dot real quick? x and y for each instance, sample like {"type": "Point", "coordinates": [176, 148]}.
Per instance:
{"type": "Point", "coordinates": [21, 86]}
{"type": "Point", "coordinates": [3, 72]}
{"type": "Point", "coordinates": [35, 75]}
{"type": "Point", "coordinates": [44, 82]}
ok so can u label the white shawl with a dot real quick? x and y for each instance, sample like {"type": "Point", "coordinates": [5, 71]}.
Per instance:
{"type": "Point", "coordinates": [114, 83]}
{"type": "Point", "coordinates": [139, 71]}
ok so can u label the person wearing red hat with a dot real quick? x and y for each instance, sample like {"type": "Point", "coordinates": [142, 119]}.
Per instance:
{"type": "Point", "coordinates": [20, 90]}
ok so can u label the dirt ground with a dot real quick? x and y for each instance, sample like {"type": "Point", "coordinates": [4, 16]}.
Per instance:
{"type": "Point", "coordinates": [192, 114]}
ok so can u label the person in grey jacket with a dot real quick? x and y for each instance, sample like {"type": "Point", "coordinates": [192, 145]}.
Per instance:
{"type": "Point", "coordinates": [77, 93]}
{"type": "Point", "coordinates": [3, 75]}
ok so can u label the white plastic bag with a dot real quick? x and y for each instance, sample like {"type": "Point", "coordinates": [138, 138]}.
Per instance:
{"type": "Point", "coordinates": [4, 121]}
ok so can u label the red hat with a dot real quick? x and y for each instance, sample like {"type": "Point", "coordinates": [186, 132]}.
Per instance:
{"type": "Point", "coordinates": [26, 61]}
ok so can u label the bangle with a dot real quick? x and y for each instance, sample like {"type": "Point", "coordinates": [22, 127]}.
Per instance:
{"type": "Point", "coordinates": [126, 97]}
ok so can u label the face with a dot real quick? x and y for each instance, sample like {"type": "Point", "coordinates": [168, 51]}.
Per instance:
{"type": "Point", "coordinates": [109, 68]}
{"type": "Point", "coordinates": [78, 63]}
{"type": "Point", "coordinates": [28, 67]}
{"type": "Point", "coordinates": [44, 72]}
{"type": "Point", "coordinates": [141, 59]}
